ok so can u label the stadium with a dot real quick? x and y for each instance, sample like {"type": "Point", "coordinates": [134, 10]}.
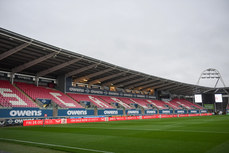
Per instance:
{"type": "Point", "coordinates": [55, 100]}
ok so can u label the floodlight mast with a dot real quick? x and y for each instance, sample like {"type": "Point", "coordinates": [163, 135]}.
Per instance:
{"type": "Point", "coordinates": [212, 73]}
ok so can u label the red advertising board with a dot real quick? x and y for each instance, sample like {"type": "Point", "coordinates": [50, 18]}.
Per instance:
{"type": "Point", "coordinates": [32, 122]}
{"type": "Point", "coordinates": [103, 119]}
{"type": "Point", "coordinates": [85, 120]}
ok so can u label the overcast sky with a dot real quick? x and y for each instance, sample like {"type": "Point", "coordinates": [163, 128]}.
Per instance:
{"type": "Point", "coordinates": [173, 39]}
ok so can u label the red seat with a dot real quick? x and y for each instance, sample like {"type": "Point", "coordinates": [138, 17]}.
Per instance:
{"type": "Point", "coordinates": [11, 97]}
{"type": "Point", "coordinates": [91, 98]}
{"type": "Point", "coordinates": [46, 93]}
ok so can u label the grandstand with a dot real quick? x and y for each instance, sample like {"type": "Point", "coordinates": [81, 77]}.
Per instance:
{"type": "Point", "coordinates": [33, 72]}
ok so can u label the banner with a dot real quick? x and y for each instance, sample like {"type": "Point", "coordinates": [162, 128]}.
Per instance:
{"type": "Point", "coordinates": [209, 106]}
{"type": "Point", "coordinates": [180, 111]}
{"type": "Point", "coordinates": [75, 112]}
{"type": "Point", "coordinates": [24, 77]}
{"type": "Point", "coordinates": [133, 112]}
{"type": "Point", "coordinates": [101, 119]}
{"type": "Point", "coordinates": [193, 111]}
{"type": "Point", "coordinates": [165, 111]}
{"type": "Point", "coordinates": [72, 89]}
{"type": "Point", "coordinates": [85, 120]}
{"type": "Point", "coordinates": [150, 111]}
{"type": "Point", "coordinates": [110, 112]}
{"type": "Point", "coordinates": [25, 112]}
{"type": "Point", "coordinates": [203, 111]}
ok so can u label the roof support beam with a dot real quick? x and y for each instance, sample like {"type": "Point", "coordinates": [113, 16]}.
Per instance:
{"type": "Point", "coordinates": [31, 63]}
{"type": "Point", "coordinates": [87, 77]}
{"type": "Point", "coordinates": [139, 84]}
{"type": "Point", "coordinates": [182, 88]}
{"type": "Point", "coordinates": [119, 80]}
{"type": "Point", "coordinates": [151, 85]}
{"type": "Point", "coordinates": [14, 50]}
{"type": "Point", "coordinates": [106, 78]}
{"type": "Point", "coordinates": [169, 86]}
{"type": "Point", "coordinates": [55, 68]}
{"type": "Point", "coordinates": [162, 85]}
{"type": "Point", "coordinates": [80, 70]}
{"type": "Point", "coordinates": [129, 82]}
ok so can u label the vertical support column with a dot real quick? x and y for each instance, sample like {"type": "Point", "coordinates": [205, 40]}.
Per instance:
{"type": "Point", "coordinates": [12, 78]}
{"type": "Point", "coordinates": [36, 81]}
{"type": "Point", "coordinates": [61, 83]}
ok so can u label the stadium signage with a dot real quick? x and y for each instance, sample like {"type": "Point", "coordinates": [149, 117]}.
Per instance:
{"type": "Point", "coordinates": [3, 74]}
{"type": "Point", "coordinates": [22, 77]}
{"type": "Point", "coordinates": [24, 112]}
{"type": "Point", "coordinates": [113, 93]}
{"type": "Point", "coordinates": [133, 112]}
{"type": "Point", "coordinates": [75, 112]}
{"type": "Point", "coordinates": [80, 90]}
{"type": "Point", "coordinates": [150, 112]}
{"type": "Point", "coordinates": [180, 111]}
{"type": "Point", "coordinates": [110, 112]}
{"type": "Point", "coordinates": [193, 111]}
{"type": "Point", "coordinates": [105, 92]}
{"type": "Point", "coordinates": [165, 111]}
{"type": "Point", "coordinates": [203, 111]}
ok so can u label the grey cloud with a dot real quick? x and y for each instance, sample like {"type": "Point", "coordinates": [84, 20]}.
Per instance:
{"type": "Point", "coordinates": [172, 39]}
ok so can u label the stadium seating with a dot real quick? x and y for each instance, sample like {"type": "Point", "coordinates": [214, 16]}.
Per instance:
{"type": "Point", "coordinates": [46, 93]}
{"type": "Point", "coordinates": [140, 102]}
{"type": "Point", "coordinates": [174, 105]}
{"type": "Point", "coordinates": [157, 103]}
{"type": "Point", "coordinates": [12, 97]}
{"type": "Point", "coordinates": [111, 100]}
{"type": "Point", "coordinates": [91, 98]}
{"type": "Point", "coordinates": [186, 104]}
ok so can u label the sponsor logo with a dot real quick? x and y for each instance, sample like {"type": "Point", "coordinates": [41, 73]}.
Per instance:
{"type": "Point", "coordinates": [150, 112]}
{"type": "Point", "coordinates": [141, 96]}
{"type": "Point", "coordinates": [25, 113]}
{"type": "Point", "coordinates": [76, 112]}
{"type": "Point", "coordinates": [165, 111]}
{"type": "Point", "coordinates": [193, 111]}
{"type": "Point", "coordinates": [180, 111]}
{"type": "Point", "coordinates": [76, 89]}
{"type": "Point", "coordinates": [96, 92]}
{"type": "Point", "coordinates": [2, 123]}
{"type": "Point", "coordinates": [114, 93]}
{"type": "Point", "coordinates": [127, 95]}
{"type": "Point", "coordinates": [133, 112]}
{"type": "Point", "coordinates": [110, 112]}
{"type": "Point", "coordinates": [10, 121]}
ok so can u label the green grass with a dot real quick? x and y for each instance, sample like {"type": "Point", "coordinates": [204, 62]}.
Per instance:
{"type": "Point", "coordinates": [208, 134]}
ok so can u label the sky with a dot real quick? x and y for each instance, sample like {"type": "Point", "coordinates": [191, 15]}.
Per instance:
{"type": "Point", "coordinates": [172, 39]}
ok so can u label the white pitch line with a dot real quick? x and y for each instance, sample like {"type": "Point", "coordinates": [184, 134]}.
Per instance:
{"type": "Point", "coordinates": [54, 145]}
{"type": "Point", "coordinates": [161, 130]}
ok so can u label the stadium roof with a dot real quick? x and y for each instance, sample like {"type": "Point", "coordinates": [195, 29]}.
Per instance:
{"type": "Point", "coordinates": [20, 54]}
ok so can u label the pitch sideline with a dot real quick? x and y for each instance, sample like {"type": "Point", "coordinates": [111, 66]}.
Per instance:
{"type": "Point", "coordinates": [54, 145]}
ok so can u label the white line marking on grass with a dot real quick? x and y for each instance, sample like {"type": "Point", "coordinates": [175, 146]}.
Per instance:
{"type": "Point", "coordinates": [161, 130]}
{"type": "Point", "coordinates": [54, 145]}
